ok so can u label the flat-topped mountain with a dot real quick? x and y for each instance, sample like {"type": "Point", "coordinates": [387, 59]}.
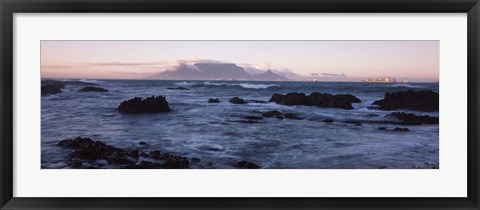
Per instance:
{"type": "Point", "coordinates": [216, 71]}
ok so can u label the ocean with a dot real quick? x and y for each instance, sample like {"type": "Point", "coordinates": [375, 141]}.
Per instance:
{"type": "Point", "coordinates": [215, 134]}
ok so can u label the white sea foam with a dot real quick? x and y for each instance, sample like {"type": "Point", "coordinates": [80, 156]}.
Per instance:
{"type": "Point", "coordinates": [185, 83]}
{"type": "Point", "coordinates": [243, 85]}
{"type": "Point", "coordinates": [257, 86]}
{"type": "Point", "coordinates": [90, 81]}
{"type": "Point", "coordinates": [405, 85]}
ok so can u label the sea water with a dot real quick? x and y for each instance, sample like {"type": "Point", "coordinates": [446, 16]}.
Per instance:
{"type": "Point", "coordinates": [215, 133]}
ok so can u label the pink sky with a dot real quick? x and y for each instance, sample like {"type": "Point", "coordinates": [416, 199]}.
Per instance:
{"type": "Point", "coordinates": [415, 60]}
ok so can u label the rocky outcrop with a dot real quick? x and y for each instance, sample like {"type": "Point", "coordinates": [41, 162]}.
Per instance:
{"type": "Point", "coordinates": [213, 100]}
{"type": "Point", "coordinates": [89, 151]}
{"type": "Point", "coordinates": [412, 119]}
{"type": "Point", "coordinates": [426, 101]}
{"type": "Point", "coordinates": [246, 165]}
{"type": "Point", "coordinates": [237, 100]}
{"type": "Point", "coordinates": [148, 105]}
{"type": "Point", "coordinates": [342, 101]}
{"type": "Point", "coordinates": [170, 161]}
{"type": "Point", "coordinates": [94, 89]}
{"type": "Point", "coordinates": [49, 90]}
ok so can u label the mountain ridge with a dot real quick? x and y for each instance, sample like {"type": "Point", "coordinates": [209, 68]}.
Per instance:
{"type": "Point", "coordinates": [216, 71]}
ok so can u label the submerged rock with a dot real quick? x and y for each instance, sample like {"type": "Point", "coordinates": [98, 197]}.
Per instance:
{"type": "Point", "coordinates": [292, 116]}
{"type": "Point", "coordinates": [90, 151]}
{"type": "Point", "coordinates": [213, 100]}
{"type": "Point", "coordinates": [426, 101]}
{"type": "Point", "coordinates": [401, 129]}
{"type": "Point", "coordinates": [256, 101]}
{"type": "Point", "coordinates": [95, 89]}
{"type": "Point", "coordinates": [342, 101]}
{"type": "Point", "coordinates": [273, 113]}
{"type": "Point", "coordinates": [327, 120]}
{"type": "Point", "coordinates": [148, 105]}
{"type": "Point", "coordinates": [413, 119]}
{"type": "Point", "coordinates": [252, 118]}
{"type": "Point", "coordinates": [177, 88]}
{"type": "Point", "coordinates": [49, 89]}
{"type": "Point", "coordinates": [237, 100]}
{"type": "Point", "coordinates": [246, 165]}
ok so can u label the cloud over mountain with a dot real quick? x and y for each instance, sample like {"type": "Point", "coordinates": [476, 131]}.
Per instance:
{"type": "Point", "coordinates": [217, 71]}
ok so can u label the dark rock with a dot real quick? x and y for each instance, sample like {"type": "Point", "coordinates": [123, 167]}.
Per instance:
{"type": "Point", "coordinates": [328, 120]}
{"type": "Point", "coordinates": [237, 100]}
{"type": "Point", "coordinates": [49, 89]}
{"type": "Point", "coordinates": [170, 161]}
{"type": "Point", "coordinates": [248, 121]}
{"type": "Point", "coordinates": [381, 128]}
{"type": "Point", "coordinates": [292, 116]}
{"type": "Point", "coordinates": [348, 97]}
{"type": "Point", "coordinates": [213, 100]}
{"type": "Point", "coordinates": [413, 119]}
{"type": "Point", "coordinates": [352, 121]}
{"type": "Point", "coordinates": [256, 101]}
{"type": "Point", "coordinates": [135, 154]}
{"type": "Point", "coordinates": [426, 101]}
{"type": "Point", "coordinates": [401, 129]}
{"type": "Point", "coordinates": [273, 113]}
{"type": "Point", "coordinates": [54, 83]}
{"type": "Point", "coordinates": [95, 89]}
{"type": "Point", "coordinates": [246, 165]}
{"type": "Point", "coordinates": [195, 160]}
{"type": "Point", "coordinates": [289, 99]}
{"type": "Point", "coordinates": [148, 105]}
{"type": "Point", "coordinates": [87, 149]}
{"type": "Point", "coordinates": [252, 118]}
{"type": "Point", "coordinates": [142, 143]}
{"type": "Point", "coordinates": [75, 163]}
{"type": "Point", "coordinates": [342, 101]}
{"type": "Point", "coordinates": [214, 149]}
{"type": "Point", "coordinates": [371, 115]}
{"type": "Point", "coordinates": [178, 88]}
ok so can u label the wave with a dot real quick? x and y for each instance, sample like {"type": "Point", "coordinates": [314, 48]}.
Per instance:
{"type": "Point", "coordinates": [90, 81]}
{"type": "Point", "coordinates": [185, 83]}
{"type": "Point", "coordinates": [405, 85]}
{"type": "Point", "coordinates": [243, 85]}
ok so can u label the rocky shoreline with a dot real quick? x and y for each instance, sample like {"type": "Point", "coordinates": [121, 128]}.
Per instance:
{"type": "Point", "coordinates": [87, 153]}
{"type": "Point", "coordinates": [90, 154]}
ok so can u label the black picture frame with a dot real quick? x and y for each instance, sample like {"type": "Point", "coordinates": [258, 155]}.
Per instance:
{"type": "Point", "coordinates": [10, 7]}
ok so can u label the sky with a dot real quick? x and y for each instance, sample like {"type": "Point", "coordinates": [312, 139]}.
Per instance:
{"type": "Point", "coordinates": [331, 60]}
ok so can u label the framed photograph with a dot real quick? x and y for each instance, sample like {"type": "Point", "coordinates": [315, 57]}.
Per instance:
{"type": "Point", "coordinates": [239, 105]}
